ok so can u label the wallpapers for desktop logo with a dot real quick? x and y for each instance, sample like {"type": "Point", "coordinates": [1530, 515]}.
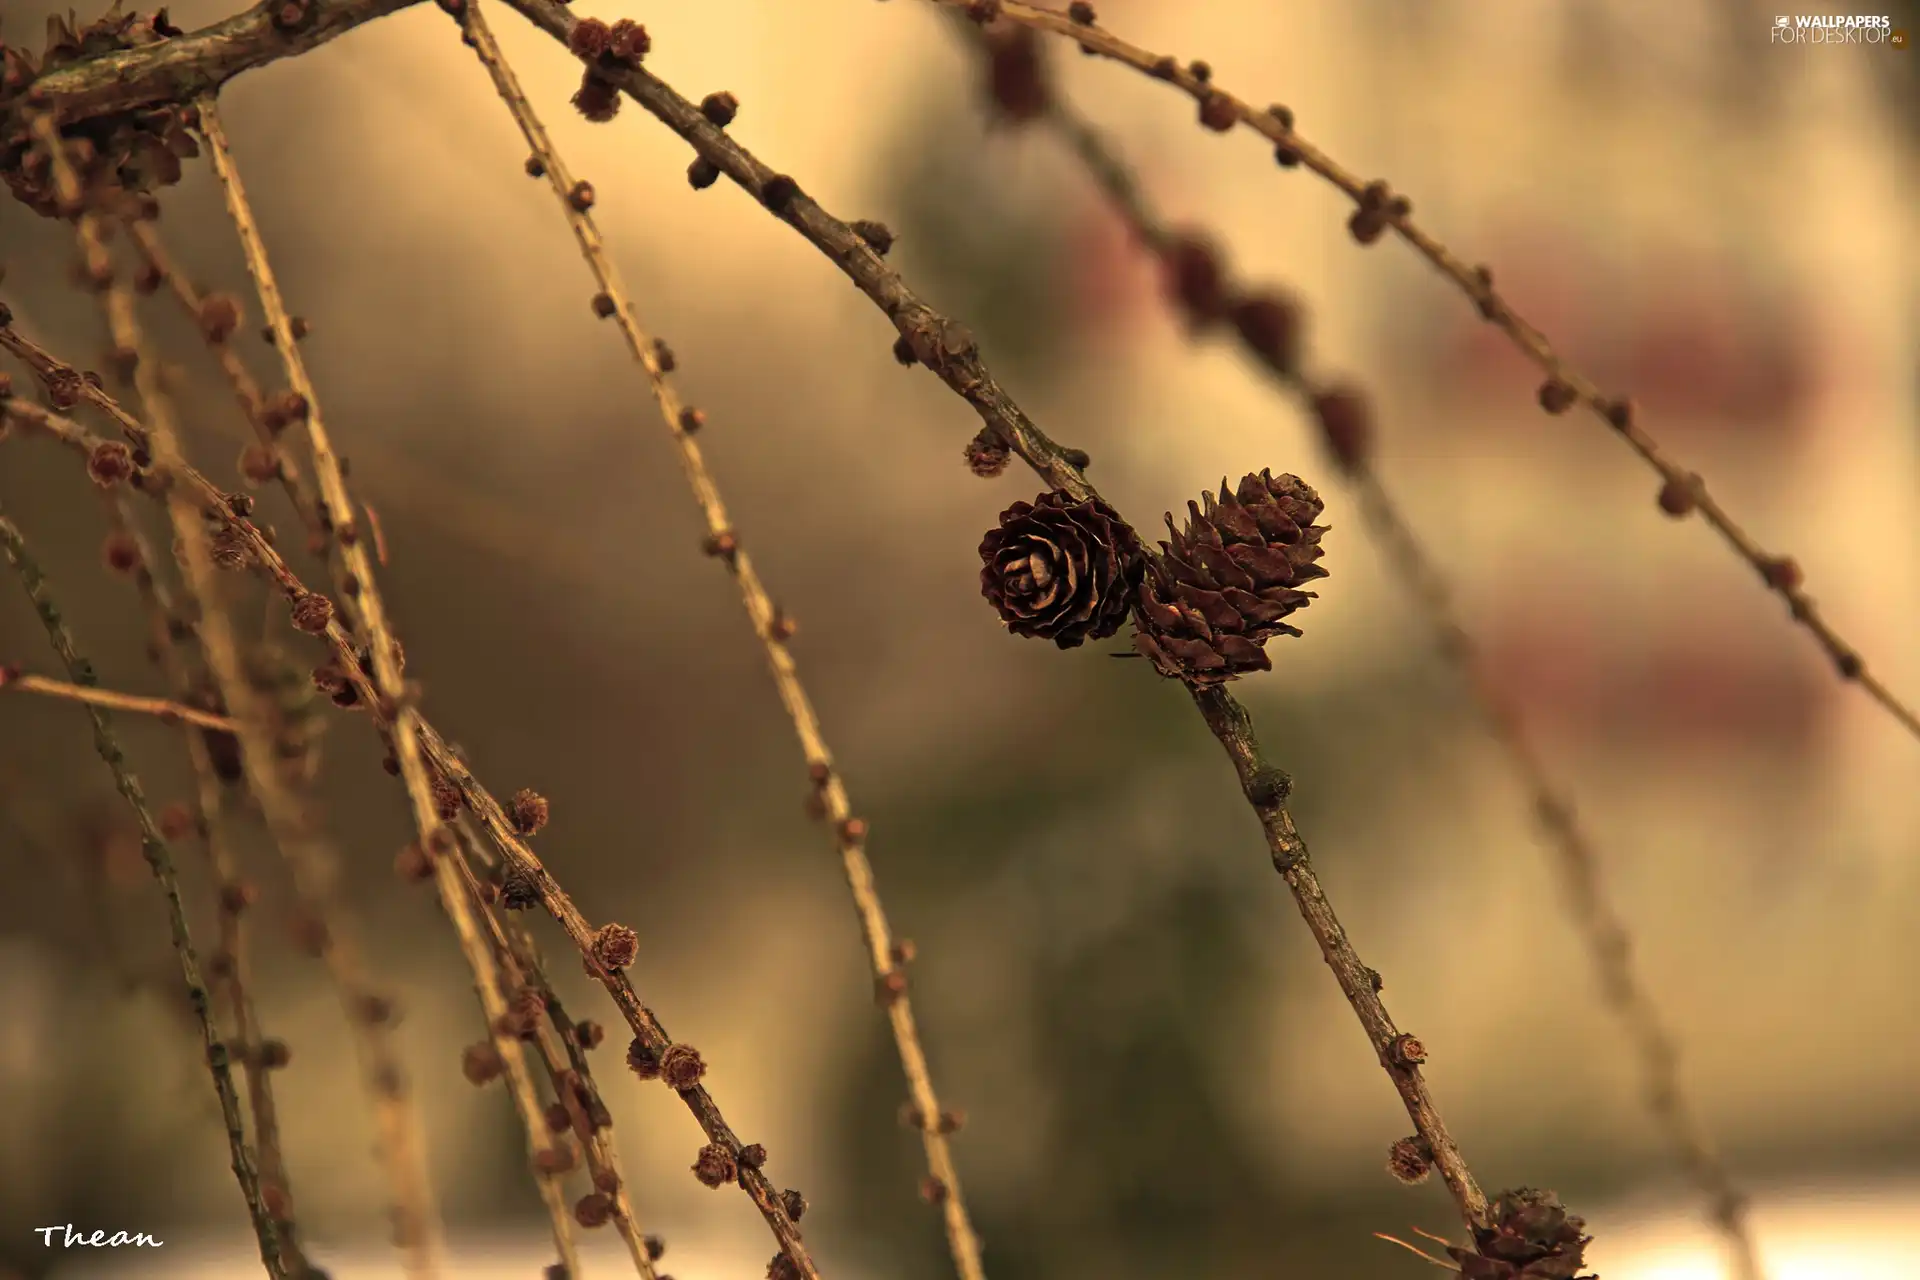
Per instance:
{"type": "Point", "coordinates": [1825, 28]}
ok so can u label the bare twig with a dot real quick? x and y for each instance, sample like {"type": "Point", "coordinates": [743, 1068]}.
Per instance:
{"type": "Point", "coordinates": [1347, 432]}
{"type": "Point", "coordinates": [563, 1056]}
{"type": "Point", "coordinates": [774, 628]}
{"type": "Point", "coordinates": [289, 816]}
{"type": "Point", "coordinates": [245, 1170]}
{"type": "Point", "coordinates": [651, 1041]}
{"type": "Point", "coordinates": [377, 640]}
{"type": "Point", "coordinates": [232, 966]}
{"type": "Point", "coordinates": [1379, 209]}
{"type": "Point", "coordinates": [137, 704]}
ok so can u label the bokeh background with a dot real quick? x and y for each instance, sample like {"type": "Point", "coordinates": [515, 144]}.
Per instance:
{"type": "Point", "coordinates": [1159, 1076]}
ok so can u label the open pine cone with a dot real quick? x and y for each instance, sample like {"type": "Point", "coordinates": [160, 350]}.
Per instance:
{"type": "Point", "coordinates": [1220, 589]}
{"type": "Point", "coordinates": [1532, 1237]}
{"type": "Point", "coordinates": [1061, 570]}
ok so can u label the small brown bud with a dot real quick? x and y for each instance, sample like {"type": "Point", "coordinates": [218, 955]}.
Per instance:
{"type": "Point", "coordinates": [606, 1181]}
{"type": "Point", "coordinates": [259, 464]}
{"type": "Point", "coordinates": [1619, 414]}
{"type": "Point", "coordinates": [312, 613]}
{"type": "Point", "coordinates": [528, 811]}
{"type": "Point", "coordinates": [681, 1067]}
{"type": "Point", "coordinates": [274, 1054]}
{"type": "Point", "coordinates": [121, 552]}
{"type": "Point", "coordinates": [558, 1118]}
{"type": "Point", "coordinates": [1346, 425]}
{"type": "Point", "coordinates": [656, 1248]}
{"type": "Point", "coordinates": [518, 890]}
{"type": "Point", "coordinates": [535, 167]}
{"type": "Point", "coordinates": [933, 1190]}
{"type": "Point", "coordinates": [793, 1204]}
{"type": "Point", "coordinates": [903, 951]}
{"type": "Point", "coordinates": [1194, 277]}
{"type": "Point", "coordinates": [1410, 1160]}
{"type": "Point", "coordinates": [603, 305]}
{"type": "Point", "coordinates": [1269, 326]}
{"type": "Point", "coordinates": [779, 192]}
{"type": "Point", "coordinates": [723, 545]}
{"type": "Point", "coordinates": [589, 1034]}
{"type": "Point", "coordinates": [720, 109]}
{"type": "Point", "coordinates": [581, 197]}
{"type": "Point", "coordinates": [877, 235]}
{"type": "Point", "coordinates": [715, 1166]}
{"type": "Point", "coordinates": [220, 316]}
{"type": "Point", "coordinates": [593, 1210]}
{"type": "Point", "coordinates": [447, 800]}
{"type": "Point", "coordinates": [596, 99]}
{"type": "Point", "coordinates": [615, 946]}
{"type": "Point", "coordinates": [642, 1061]}
{"type": "Point", "coordinates": [1406, 1051]}
{"type": "Point", "coordinates": [951, 1121]}
{"type": "Point", "coordinates": [1080, 13]}
{"type": "Point", "coordinates": [555, 1160]}
{"type": "Point", "coordinates": [663, 356]}
{"type": "Point", "coordinates": [1557, 395]}
{"type": "Point", "coordinates": [110, 463]}
{"type": "Point", "coordinates": [589, 38]}
{"type": "Point", "coordinates": [853, 830]}
{"type": "Point", "coordinates": [481, 1063]}
{"type": "Point", "coordinates": [628, 42]}
{"type": "Point", "coordinates": [890, 986]}
{"type": "Point", "coordinates": [1218, 112]}
{"type": "Point", "coordinates": [753, 1156]}
{"type": "Point", "coordinates": [782, 628]}
{"type": "Point", "coordinates": [691, 420]}
{"type": "Point", "coordinates": [1782, 573]}
{"type": "Point", "coordinates": [1680, 495]}
{"type": "Point", "coordinates": [986, 455]}
{"type": "Point", "coordinates": [237, 895]}
{"type": "Point", "coordinates": [702, 173]}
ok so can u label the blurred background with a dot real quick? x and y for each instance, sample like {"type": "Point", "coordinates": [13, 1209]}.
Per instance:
{"type": "Point", "coordinates": [1159, 1075]}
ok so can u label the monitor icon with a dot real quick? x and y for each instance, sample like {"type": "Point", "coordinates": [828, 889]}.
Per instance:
{"type": "Point", "coordinates": [1782, 21]}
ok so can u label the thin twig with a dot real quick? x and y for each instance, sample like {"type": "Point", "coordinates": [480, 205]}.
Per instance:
{"type": "Point", "coordinates": [562, 1055]}
{"type": "Point", "coordinates": [289, 816]}
{"type": "Point", "coordinates": [651, 1041]}
{"type": "Point", "coordinates": [1347, 436]}
{"type": "Point", "coordinates": [377, 638]}
{"type": "Point", "coordinates": [245, 1171]}
{"type": "Point", "coordinates": [774, 628]}
{"type": "Point", "coordinates": [166, 709]}
{"type": "Point", "coordinates": [232, 968]}
{"type": "Point", "coordinates": [1378, 210]}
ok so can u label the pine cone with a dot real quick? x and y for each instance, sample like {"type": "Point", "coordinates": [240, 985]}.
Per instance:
{"type": "Point", "coordinates": [1219, 590]}
{"type": "Point", "coordinates": [1061, 570]}
{"type": "Point", "coordinates": [1533, 1237]}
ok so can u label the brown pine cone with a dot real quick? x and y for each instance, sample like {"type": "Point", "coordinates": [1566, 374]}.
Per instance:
{"type": "Point", "coordinates": [1532, 1237]}
{"type": "Point", "coordinates": [1061, 570]}
{"type": "Point", "coordinates": [1219, 590]}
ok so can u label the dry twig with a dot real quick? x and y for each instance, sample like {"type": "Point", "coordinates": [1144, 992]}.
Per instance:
{"type": "Point", "coordinates": [376, 639]}
{"type": "Point", "coordinates": [770, 623]}
{"type": "Point", "coordinates": [168, 711]}
{"type": "Point", "coordinates": [1346, 430]}
{"type": "Point", "coordinates": [245, 1169]}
